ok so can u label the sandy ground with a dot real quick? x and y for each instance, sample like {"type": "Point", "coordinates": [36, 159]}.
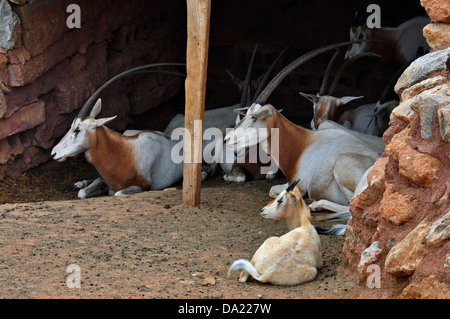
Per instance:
{"type": "Point", "coordinates": [147, 245]}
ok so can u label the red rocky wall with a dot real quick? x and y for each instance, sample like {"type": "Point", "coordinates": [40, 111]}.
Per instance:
{"type": "Point", "coordinates": [47, 70]}
{"type": "Point", "coordinates": [401, 222]}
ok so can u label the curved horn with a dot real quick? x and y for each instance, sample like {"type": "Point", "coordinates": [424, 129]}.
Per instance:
{"type": "Point", "coordinates": [346, 63]}
{"type": "Point", "coordinates": [133, 71]}
{"type": "Point", "coordinates": [326, 77]}
{"type": "Point", "coordinates": [248, 78]}
{"type": "Point", "coordinates": [262, 98]}
{"type": "Point", "coordinates": [266, 75]}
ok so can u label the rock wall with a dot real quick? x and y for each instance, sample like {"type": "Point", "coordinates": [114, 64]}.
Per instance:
{"type": "Point", "coordinates": [47, 70]}
{"type": "Point", "coordinates": [401, 222]}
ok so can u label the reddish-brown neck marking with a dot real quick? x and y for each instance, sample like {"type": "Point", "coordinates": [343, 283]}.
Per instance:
{"type": "Point", "coordinates": [113, 157]}
{"type": "Point", "coordinates": [293, 140]}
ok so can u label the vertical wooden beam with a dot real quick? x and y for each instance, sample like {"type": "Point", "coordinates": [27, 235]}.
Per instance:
{"type": "Point", "coordinates": [198, 16]}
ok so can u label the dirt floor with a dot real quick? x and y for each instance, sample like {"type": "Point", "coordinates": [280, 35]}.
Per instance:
{"type": "Point", "coordinates": [147, 245]}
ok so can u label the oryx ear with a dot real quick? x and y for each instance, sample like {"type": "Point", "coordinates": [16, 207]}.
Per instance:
{"type": "Point", "coordinates": [101, 122]}
{"type": "Point", "coordinates": [96, 109]}
{"type": "Point", "coordinates": [346, 99]}
{"type": "Point", "coordinates": [312, 97]}
{"type": "Point", "coordinates": [241, 111]}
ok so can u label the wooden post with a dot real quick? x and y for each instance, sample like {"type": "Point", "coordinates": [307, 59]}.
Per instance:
{"type": "Point", "coordinates": [198, 15]}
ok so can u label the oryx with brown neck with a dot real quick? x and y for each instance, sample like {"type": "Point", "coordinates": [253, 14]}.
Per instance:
{"type": "Point", "coordinates": [130, 163]}
{"type": "Point", "coordinates": [328, 163]}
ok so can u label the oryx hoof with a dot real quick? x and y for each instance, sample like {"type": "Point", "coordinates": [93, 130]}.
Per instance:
{"type": "Point", "coordinates": [234, 178]}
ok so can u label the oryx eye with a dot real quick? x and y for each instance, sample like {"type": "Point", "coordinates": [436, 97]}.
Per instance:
{"type": "Point", "coordinates": [280, 201]}
{"type": "Point", "coordinates": [76, 131]}
{"type": "Point", "coordinates": [254, 118]}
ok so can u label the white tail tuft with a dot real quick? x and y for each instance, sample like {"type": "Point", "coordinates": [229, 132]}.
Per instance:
{"type": "Point", "coordinates": [245, 265]}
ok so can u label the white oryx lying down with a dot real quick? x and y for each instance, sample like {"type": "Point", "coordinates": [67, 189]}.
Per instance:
{"type": "Point", "coordinates": [126, 164]}
{"type": "Point", "coordinates": [292, 258]}
{"type": "Point", "coordinates": [328, 163]}
{"type": "Point", "coordinates": [130, 163]}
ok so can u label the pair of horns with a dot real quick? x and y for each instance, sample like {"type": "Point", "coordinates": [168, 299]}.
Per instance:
{"type": "Point", "coordinates": [263, 80]}
{"type": "Point", "coordinates": [340, 71]}
{"type": "Point", "coordinates": [273, 84]}
{"type": "Point", "coordinates": [134, 71]}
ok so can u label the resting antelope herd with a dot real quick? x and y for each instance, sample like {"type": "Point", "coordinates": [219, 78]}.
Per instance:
{"type": "Point", "coordinates": [328, 163]}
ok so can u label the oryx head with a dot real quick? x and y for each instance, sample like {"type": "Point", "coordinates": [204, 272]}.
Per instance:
{"type": "Point", "coordinates": [325, 107]}
{"type": "Point", "coordinates": [76, 140]}
{"type": "Point", "coordinates": [286, 205]}
{"type": "Point", "coordinates": [324, 103]}
{"type": "Point", "coordinates": [252, 129]}
{"type": "Point", "coordinates": [358, 33]}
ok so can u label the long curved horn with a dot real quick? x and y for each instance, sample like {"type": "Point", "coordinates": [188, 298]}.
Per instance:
{"type": "Point", "coordinates": [262, 98]}
{"type": "Point", "coordinates": [248, 78]}
{"type": "Point", "coordinates": [133, 71]}
{"type": "Point", "coordinates": [263, 82]}
{"type": "Point", "coordinates": [346, 63]}
{"type": "Point", "coordinates": [326, 77]}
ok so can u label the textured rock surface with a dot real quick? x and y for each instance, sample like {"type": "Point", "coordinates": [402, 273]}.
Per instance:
{"type": "Point", "coordinates": [47, 71]}
{"type": "Point", "coordinates": [404, 257]}
{"type": "Point", "coordinates": [437, 34]}
{"type": "Point", "coordinates": [444, 122]}
{"type": "Point", "coordinates": [422, 68]}
{"type": "Point", "coordinates": [439, 231]}
{"type": "Point", "coordinates": [9, 26]}
{"type": "Point", "coordinates": [438, 10]}
{"type": "Point", "coordinates": [405, 208]}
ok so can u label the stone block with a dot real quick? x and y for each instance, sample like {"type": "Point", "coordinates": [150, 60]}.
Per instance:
{"type": "Point", "coordinates": [444, 122]}
{"type": "Point", "coordinates": [422, 68]}
{"type": "Point", "coordinates": [425, 103]}
{"type": "Point", "coordinates": [438, 232]}
{"type": "Point", "coordinates": [437, 34]}
{"type": "Point", "coordinates": [10, 30]}
{"type": "Point", "coordinates": [422, 86]}
{"type": "Point", "coordinates": [438, 10]}
{"type": "Point", "coordinates": [26, 118]}
{"type": "Point", "coordinates": [404, 257]}
{"type": "Point", "coordinates": [397, 208]}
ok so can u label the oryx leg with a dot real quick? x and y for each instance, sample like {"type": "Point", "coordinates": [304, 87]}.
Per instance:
{"type": "Point", "coordinates": [340, 212]}
{"type": "Point", "coordinates": [96, 188]}
{"type": "Point", "coordinates": [348, 170]}
{"type": "Point", "coordinates": [324, 204]}
{"type": "Point", "coordinates": [271, 175]}
{"type": "Point", "coordinates": [237, 175]}
{"type": "Point", "coordinates": [81, 184]}
{"type": "Point", "coordinates": [129, 191]}
{"type": "Point", "coordinates": [208, 171]}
